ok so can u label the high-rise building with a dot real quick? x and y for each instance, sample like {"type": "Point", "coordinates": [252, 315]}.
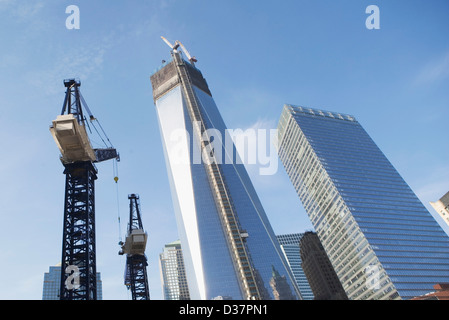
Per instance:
{"type": "Point", "coordinates": [173, 273]}
{"type": "Point", "coordinates": [290, 247]}
{"type": "Point", "coordinates": [52, 284]}
{"type": "Point", "coordinates": [441, 293]}
{"type": "Point", "coordinates": [318, 269]}
{"type": "Point", "coordinates": [280, 287]}
{"type": "Point", "coordinates": [381, 240]}
{"type": "Point", "coordinates": [228, 243]}
{"type": "Point", "coordinates": [442, 207]}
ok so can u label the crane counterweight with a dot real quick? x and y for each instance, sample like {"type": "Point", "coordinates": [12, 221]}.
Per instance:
{"type": "Point", "coordinates": [135, 242]}
{"type": "Point", "coordinates": [71, 139]}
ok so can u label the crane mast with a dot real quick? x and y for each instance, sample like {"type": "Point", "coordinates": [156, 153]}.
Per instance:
{"type": "Point", "coordinates": [136, 278]}
{"type": "Point", "coordinates": [78, 264]}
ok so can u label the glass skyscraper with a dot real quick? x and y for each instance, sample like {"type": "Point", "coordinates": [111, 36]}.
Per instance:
{"type": "Point", "coordinates": [290, 247]}
{"type": "Point", "coordinates": [228, 244]}
{"type": "Point", "coordinates": [173, 273]}
{"type": "Point", "coordinates": [381, 240]}
{"type": "Point", "coordinates": [52, 284]}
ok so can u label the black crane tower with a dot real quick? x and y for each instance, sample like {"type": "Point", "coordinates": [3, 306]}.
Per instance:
{"type": "Point", "coordinates": [136, 278]}
{"type": "Point", "coordinates": [78, 264]}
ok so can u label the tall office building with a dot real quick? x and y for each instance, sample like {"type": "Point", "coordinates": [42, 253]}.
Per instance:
{"type": "Point", "coordinates": [173, 273]}
{"type": "Point", "coordinates": [318, 269]}
{"type": "Point", "coordinates": [290, 247]}
{"type": "Point", "coordinates": [52, 283]}
{"type": "Point", "coordinates": [380, 239]}
{"type": "Point", "coordinates": [228, 244]}
{"type": "Point", "coordinates": [442, 207]}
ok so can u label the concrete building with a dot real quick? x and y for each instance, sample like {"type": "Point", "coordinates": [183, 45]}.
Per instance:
{"type": "Point", "coordinates": [318, 269]}
{"type": "Point", "coordinates": [441, 293]}
{"type": "Point", "coordinates": [442, 207]}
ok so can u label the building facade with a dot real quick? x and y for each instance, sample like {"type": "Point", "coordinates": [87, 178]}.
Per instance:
{"type": "Point", "coordinates": [280, 287]}
{"type": "Point", "coordinates": [380, 239]}
{"type": "Point", "coordinates": [228, 244]}
{"type": "Point", "coordinates": [318, 269]}
{"type": "Point", "coordinates": [52, 284]}
{"type": "Point", "coordinates": [442, 207]}
{"type": "Point", "coordinates": [290, 247]}
{"type": "Point", "coordinates": [441, 293]}
{"type": "Point", "coordinates": [173, 273]}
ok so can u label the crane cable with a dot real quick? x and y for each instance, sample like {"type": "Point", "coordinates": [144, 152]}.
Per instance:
{"type": "Point", "coordinates": [115, 162]}
{"type": "Point", "coordinates": [115, 172]}
{"type": "Point", "coordinates": [92, 119]}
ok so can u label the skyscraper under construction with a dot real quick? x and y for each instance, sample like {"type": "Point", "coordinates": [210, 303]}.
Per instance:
{"type": "Point", "coordinates": [229, 246]}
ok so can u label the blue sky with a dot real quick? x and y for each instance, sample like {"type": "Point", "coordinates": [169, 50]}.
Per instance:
{"type": "Point", "coordinates": [255, 55]}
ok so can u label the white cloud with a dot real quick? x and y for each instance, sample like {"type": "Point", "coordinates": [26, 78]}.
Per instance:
{"type": "Point", "coordinates": [5, 4]}
{"type": "Point", "coordinates": [433, 188]}
{"type": "Point", "coordinates": [79, 62]}
{"type": "Point", "coordinates": [264, 124]}
{"type": "Point", "coordinates": [28, 10]}
{"type": "Point", "coordinates": [21, 10]}
{"type": "Point", "coordinates": [434, 71]}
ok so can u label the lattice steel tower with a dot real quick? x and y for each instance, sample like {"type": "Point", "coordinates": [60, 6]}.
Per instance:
{"type": "Point", "coordinates": [78, 265]}
{"type": "Point", "coordinates": [136, 278]}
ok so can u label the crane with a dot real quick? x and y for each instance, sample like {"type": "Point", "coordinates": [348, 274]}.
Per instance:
{"type": "Point", "coordinates": [78, 265]}
{"type": "Point", "coordinates": [175, 47]}
{"type": "Point", "coordinates": [134, 247]}
{"type": "Point", "coordinates": [191, 59]}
